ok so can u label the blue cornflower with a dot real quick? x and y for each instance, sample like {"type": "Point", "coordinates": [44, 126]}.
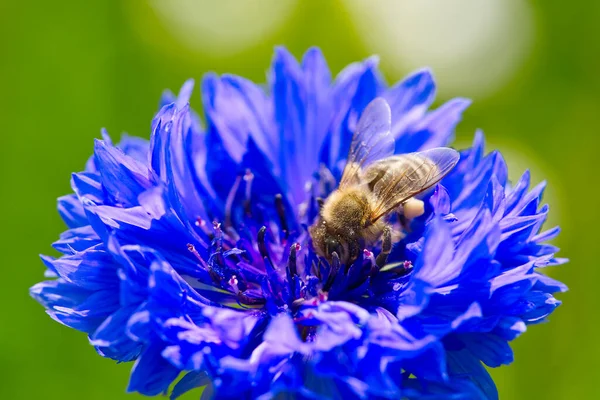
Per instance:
{"type": "Point", "coordinates": [191, 252]}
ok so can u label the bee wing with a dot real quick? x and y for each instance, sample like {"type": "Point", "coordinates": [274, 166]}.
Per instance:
{"type": "Point", "coordinates": [396, 179]}
{"type": "Point", "coordinates": [372, 140]}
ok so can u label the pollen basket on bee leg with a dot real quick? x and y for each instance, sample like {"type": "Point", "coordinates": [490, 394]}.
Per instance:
{"type": "Point", "coordinates": [413, 208]}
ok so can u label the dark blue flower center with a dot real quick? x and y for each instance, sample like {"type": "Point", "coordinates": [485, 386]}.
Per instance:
{"type": "Point", "coordinates": [256, 260]}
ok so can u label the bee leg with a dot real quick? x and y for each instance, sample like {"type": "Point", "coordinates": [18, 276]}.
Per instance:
{"type": "Point", "coordinates": [386, 247]}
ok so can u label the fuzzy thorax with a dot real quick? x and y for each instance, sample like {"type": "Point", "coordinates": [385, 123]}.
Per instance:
{"type": "Point", "coordinates": [344, 223]}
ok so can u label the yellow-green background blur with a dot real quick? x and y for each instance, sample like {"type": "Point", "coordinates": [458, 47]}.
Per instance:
{"type": "Point", "coordinates": [68, 68]}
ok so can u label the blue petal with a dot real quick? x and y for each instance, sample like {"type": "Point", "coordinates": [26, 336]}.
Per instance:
{"type": "Point", "coordinates": [88, 185]}
{"type": "Point", "coordinates": [355, 87]}
{"type": "Point", "coordinates": [152, 224]}
{"type": "Point", "coordinates": [540, 305]}
{"type": "Point", "coordinates": [184, 94]}
{"type": "Point", "coordinates": [74, 306]}
{"type": "Point", "coordinates": [135, 147]}
{"type": "Point", "coordinates": [188, 188]}
{"type": "Point", "coordinates": [168, 287]}
{"type": "Point", "coordinates": [152, 374]}
{"type": "Point", "coordinates": [338, 323]}
{"type": "Point", "coordinates": [190, 381]}
{"type": "Point", "coordinates": [238, 109]}
{"type": "Point", "coordinates": [93, 269]}
{"type": "Point", "coordinates": [549, 285]}
{"type": "Point", "coordinates": [221, 179]}
{"type": "Point", "coordinates": [71, 211]}
{"type": "Point", "coordinates": [409, 100]}
{"type": "Point", "coordinates": [111, 340]}
{"type": "Point", "coordinates": [265, 186]}
{"type": "Point", "coordinates": [76, 240]}
{"type": "Point", "coordinates": [122, 177]}
{"type": "Point", "coordinates": [509, 328]}
{"type": "Point", "coordinates": [166, 98]}
{"type": "Point", "coordinates": [161, 129]}
{"type": "Point", "coordinates": [434, 264]}
{"type": "Point", "coordinates": [463, 364]}
{"type": "Point", "coordinates": [517, 192]}
{"type": "Point", "coordinates": [440, 201]}
{"type": "Point", "coordinates": [492, 350]}
{"type": "Point", "coordinates": [58, 293]}
{"type": "Point", "coordinates": [317, 81]}
{"type": "Point", "coordinates": [477, 245]}
{"type": "Point", "coordinates": [430, 365]}
{"type": "Point", "coordinates": [435, 129]}
{"type": "Point", "coordinates": [302, 111]}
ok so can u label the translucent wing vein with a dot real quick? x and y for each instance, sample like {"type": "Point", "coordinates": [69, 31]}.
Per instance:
{"type": "Point", "coordinates": [394, 180]}
{"type": "Point", "coordinates": [371, 141]}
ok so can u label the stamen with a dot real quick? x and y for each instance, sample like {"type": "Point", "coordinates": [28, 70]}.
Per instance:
{"type": "Point", "coordinates": [306, 317]}
{"type": "Point", "coordinates": [200, 223]}
{"type": "Point", "coordinates": [245, 299]}
{"type": "Point", "coordinates": [218, 230]}
{"type": "Point", "coordinates": [230, 198]}
{"type": "Point", "coordinates": [298, 302]}
{"type": "Point", "coordinates": [370, 257]}
{"type": "Point", "coordinates": [292, 259]}
{"type": "Point", "coordinates": [260, 238]}
{"type": "Point", "coordinates": [213, 274]}
{"type": "Point", "coordinates": [248, 178]}
{"type": "Point", "coordinates": [381, 260]}
{"type": "Point", "coordinates": [322, 296]}
{"type": "Point", "coordinates": [233, 282]}
{"type": "Point", "coordinates": [192, 249]}
{"type": "Point", "coordinates": [280, 208]}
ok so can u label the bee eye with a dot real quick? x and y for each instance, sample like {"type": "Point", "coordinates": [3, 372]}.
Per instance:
{"type": "Point", "coordinates": [332, 245]}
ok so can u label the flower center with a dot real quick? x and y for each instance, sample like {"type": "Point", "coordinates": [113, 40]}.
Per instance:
{"type": "Point", "coordinates": [275, 269]}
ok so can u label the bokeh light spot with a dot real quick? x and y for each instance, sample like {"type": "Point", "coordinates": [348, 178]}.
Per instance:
{"type": "Point", "coordinates": [222, 27]}
{"type": "Point", "coordinates": [473, 46]}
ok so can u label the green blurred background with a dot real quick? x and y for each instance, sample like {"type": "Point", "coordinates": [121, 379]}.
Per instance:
{"type": "Point", "coordinates": [69, 68]}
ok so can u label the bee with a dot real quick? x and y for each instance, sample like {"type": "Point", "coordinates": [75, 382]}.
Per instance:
{"type": "Point", "coordinates": [375, 183]}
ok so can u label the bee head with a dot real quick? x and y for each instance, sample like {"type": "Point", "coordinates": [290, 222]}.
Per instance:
{"type": "Point", "coordinates": [324, 241]}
